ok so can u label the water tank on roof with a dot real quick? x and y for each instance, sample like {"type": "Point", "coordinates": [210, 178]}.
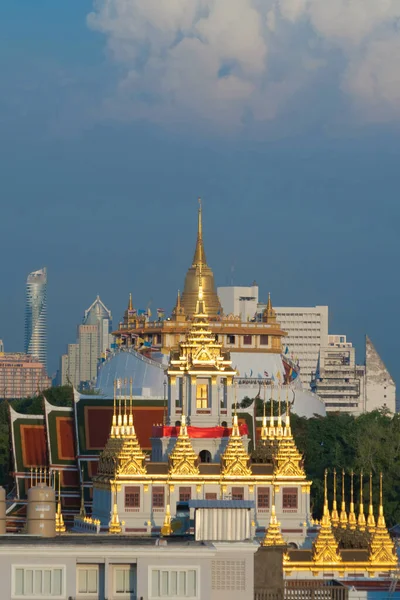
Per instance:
{"type": "Point", "coordinates": [2, 511]}
{"type": "Point", "coordinates": [41, 512]}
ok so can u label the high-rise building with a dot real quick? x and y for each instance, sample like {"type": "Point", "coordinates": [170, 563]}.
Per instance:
{"type": "Point", "coordinates": [88, 340]}
{"type": "Point", "coordinates": [239, 300]}
{"type": "Point", "coordinates": [380, 388]}
{"type": "Point", "coordinates": [98, 314]}
{"type": "Point", "coordinates": [36, 315]}
{"type": "Point", "coordinates": [69, 367]}
{"type": "Point", "coordinates": [21, 376]}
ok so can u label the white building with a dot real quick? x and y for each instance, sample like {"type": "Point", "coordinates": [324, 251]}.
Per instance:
{"type": "Point", "coordinates": [239, 301]}
{"type": "Point", "coordinates": [70, 366]}
{"type": "Point", "coordinates": [380, 388]}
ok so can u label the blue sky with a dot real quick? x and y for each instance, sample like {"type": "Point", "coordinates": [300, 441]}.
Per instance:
{"type": "Point", "coordinates": [112, 125]}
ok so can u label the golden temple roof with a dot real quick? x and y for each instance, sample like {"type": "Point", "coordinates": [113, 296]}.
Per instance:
{"type": "Point", "coordinates": [382, 547]}
{"type": "Point", "coordinates": [273, 535]}
{"type": "Point", "coordinates": [190, 290]}
{"type": "Point", "coordinates": [325, 547]}
{"type": "Point", "coordinates": [235, 460]}
{"type": "Point", "coordinates": [269, 315]}
{"type": "Point", "coordinates": [183, 459]}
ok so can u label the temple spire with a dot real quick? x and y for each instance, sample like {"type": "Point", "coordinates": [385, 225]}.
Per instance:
{"type": "Point", "coordinates": [130, 305]}
{"type": "Point", "coordinates": [60, 525]}
{"type": "Point", "coordinates": [264, 428]}
{"type": "Point", "coordinates": [115, 524]}
{"type": "Point", "coordinates": [343, 513]}
{"type": "Point", "coordinates": [335, 515]}
{"type": "Point", "coordinates": [273, 535]}
{"type": "Point", "coordinates": [325, 547]}
{"type": "Point", "coordinates": [352, 514]}
{"type": "Point", "coordinates": [370, 519]}
{"type": "Point", "coordinates": [361, 517]}
{"type": "Point", "coordinates": [199, 257]}
{"type": "Point", "coordinates": [382, 548]}
{"type": "Point", "coordinates": [183, 459]}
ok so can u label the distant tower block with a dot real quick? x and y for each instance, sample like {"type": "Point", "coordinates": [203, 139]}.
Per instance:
{"type": "Point", "coordinates": [36, 315]}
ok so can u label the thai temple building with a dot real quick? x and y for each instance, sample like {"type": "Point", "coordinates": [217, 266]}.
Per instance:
{"type": "Point", "coordinates": [144, 345]}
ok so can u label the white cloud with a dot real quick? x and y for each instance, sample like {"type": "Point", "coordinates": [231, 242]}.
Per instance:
{"type": "Point", "coordinates": [221, 62]}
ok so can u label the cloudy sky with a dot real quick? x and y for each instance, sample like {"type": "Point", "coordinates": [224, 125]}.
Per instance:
{"type": "Point", "coordinates": [282, 114]}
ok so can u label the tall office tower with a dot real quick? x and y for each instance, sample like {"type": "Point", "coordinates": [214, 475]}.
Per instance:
{"type": "Point", "coordinates": [98, 314]}
{"type": "Point", "coordinates": [36, 315]}
{"type": "Point", "coordinates": [88, 340]}
{"type": "Point", "coordinates": [69, 367]}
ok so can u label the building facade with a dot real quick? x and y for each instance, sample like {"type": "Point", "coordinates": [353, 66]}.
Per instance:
{"type": "Point", "coordinates": [380, 388]}
{"type": "Point", "coordinates": [36, 315]}
{"type": "Point", "coordinates": [21, 376]}
{"type": "Point", "coordinates": [69, 367]}
{"type": "Point", "coordinates": [239, 300]}
{"type": "Point", "coordinates": [88, 342]}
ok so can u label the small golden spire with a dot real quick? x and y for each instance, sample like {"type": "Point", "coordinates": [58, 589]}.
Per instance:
{"type": "Point", "coordinates": [326, 508]}
{"type": "Point", "coordinates": [183, 459]}
{"type": "Point", "coordinates": [325, 547]}
{"type": "Point", "coordinates": [130, 407]}
{"type": "Point", "coordinates": [352, 514]}
{"type": "Point", "coordinates": [371, 525]}
{"type": "Point", "coordinates": [272, 431]}
{"type": "Point", "coordinates": [82, 512]}
{"type": "Point", "coordinates": [343, 514]}
{"type": "Point", "coordinates": [279, 428]}
{"type": "Point", "coordinates": [273, 535]}
{"type": "Point", "coordinates": [199, 257]}
{"type": "Point", "coordinates": [115, 525]}
{"type": "Point", "coordinates": [382, 549]}
{"type": "Point", "coordinates": [361, 517]}
{"type": "Point", "coordinates": [269, 315]}
{"type": "Point", "coordinates": [130, 305]}
{"type": "Point", "coordinates": [335, 515]}
{"type": "Point", "coordinates": [60, 525]}
{"type": "Point", "coordinates": [288, 430]}
{"type": "Point", "coordinates": [264, 428]}
{"type": "Point", "coordinates": [166, 528]}
{"type": "Point", "coordinates": [235, 460]}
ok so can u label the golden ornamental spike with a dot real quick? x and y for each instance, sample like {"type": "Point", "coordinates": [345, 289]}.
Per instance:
{"type": "Point", "coordinates": [130, 403]}
{"type": "Point", "coordinates": [273, 535]}
{"type": "Point", "coordinates": [114, 419]}
{"type": "Point", "coordinates": [382, 548]}
{"type": "Point", "coordinates": [60, 525]}
{"type": "Point", "coordinates": [335, 515]}
{"type": "Point", "coordinates": [264, 428]}
{"type": "Point", "coordinates": [371, 525]}
{"type": "Point", "coordinates": [115, 525]}
{"type": "Point", "coordinates": [352, 515]}
{"type": "Point", "coordinates": [82, 512]}
{"type": "Point", "coordinates": [361, 517]}
{"type": "Point", "coordinates": [343, 514]}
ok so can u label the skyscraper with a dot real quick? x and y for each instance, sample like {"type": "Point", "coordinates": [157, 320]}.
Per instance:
{"type": "Point", "coordinates": [36, 315]}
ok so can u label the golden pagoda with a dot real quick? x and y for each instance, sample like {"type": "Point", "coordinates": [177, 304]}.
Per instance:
{"type": "Point", "coordinates": [269, 315]}
{"type": "Point", "coordinates": [191, 287]}
{"type": "Point", "coordinates": [325, 548]}
{"type": "Point", "coordinates": [183, 459]}
{"type": "Point", "coordinates": [288, 460]}
{"type": "Point", "coordinates": [273, 535]}
{"type": "Point", "coordinates": [382, 549]}
{"type": "Point", "coordinates": [235, 460]}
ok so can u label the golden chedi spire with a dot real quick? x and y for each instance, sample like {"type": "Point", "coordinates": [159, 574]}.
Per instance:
{"type": "Point", "coordinates": [235, 460]}
{"type": "Point", "coordinates": [60, 525]}
{"type": "Point", "coordinates": [343, 521]}
{"type": "Point", "coordinates": [264, 428]}
{"type": "Point", "coordinates": [352, 514]}
{"type": "Point", "coordinates": [122, 455]}
{"type": "Point", "coordinates": [272, 430]}
{"type": "Point", "coordinates": [183, 459]}
{"type": "Point", "coordinates": [190, 290]}
{"type": "Point", "coordinates": [82, 511]}
{"type": "Point", "coordinates": [288, 462]}
{"type": "Point", "coordinates": [361, 522]}
{"type": "Point", "coordinates": [382, 549]}
{"type": "Point", "coordinates": [335, 515]}
{"type": "Point", "coordinates": [269, 315]}
{"type": "Point", "coordinates": [178, 313]}
{"type": "Point", "coordinates": [273, 535]}
{"type": "Point", "coordinates": [115, 526]}
{"type": "Point", "coordinates": [371, 525]}
{"type": "Point", "coordinates": [325, 547]}
{"type": "Point", "coordinates": [130, 305]}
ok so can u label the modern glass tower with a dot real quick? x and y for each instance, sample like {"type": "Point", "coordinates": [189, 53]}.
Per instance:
{"type": "Point", "coordinates": [36, 315]}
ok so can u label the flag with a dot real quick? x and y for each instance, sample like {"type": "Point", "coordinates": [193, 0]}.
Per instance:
{"type": "Point", "coordinates": [141, 312]}
{"type": "Point", "coordinates": [140, 340]}
{"type": "Point", "coordinates": [148, 312]}
{"type": "Point", "coordinates": [251, 372]}
{"type": "Point", "coordinates": [147, 344]}
{"type": "Point", "coordinates": [286, 350]}
{"type": "Point", "coordinates": [273, 378]}
{"type": "Point", "coordinates": [160, 313]}
{"type": "Point", "coordinates": [266, 373]}
{"type": "Point", "coordinates": [294, 375]}
{"type": "Point", "coordinates": [132, 312]}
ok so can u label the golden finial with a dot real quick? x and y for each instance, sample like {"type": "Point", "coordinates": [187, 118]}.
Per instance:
{"type": "Point", "coordinates": [235, 460]}
{"type": "Point", "coordinates": [279, 428]}
{"type": "Point", "coordinates": [130, 405]}
{"type": "Point", "coordinates": [326, 491]}
{"type": "Point", "coordinates": [130, 305]}
{"type": "Point", "coordinates": [269, 303]}
{"type": "Point", "coordinates": [273, 535]}
{"type": "Point", "coordinates": [343, 513]}
{"type": "Point", "coordinates": [183, 459]}
{"type": "Point", "coordinates": [382, 549]}
{"type": "Point", "coordinates": [361, 516]}
{"type": "Point", "coordinates": [119, 402]}
{"type": "Point", "coordinates": [82, 512]}
{"type": "Point", "coordinates": [325, 547]}
{"type": "Point", "coordinates": [288, 429]}
{"type": "Point", "coordinates": [370, 519]}
{"type": "Point", "coordinates": [115, 525]}
{"type": "Point", "coordinates": [335, 515]}
{"type": "Point", "coordinates": [114, 419]}
{"type": "Point", "coordinates": [264, 428]}
{"type": "Point", "coordinates": [352, 515]}
{"type": "Point", "coordinates": [199, 255]}
{"type": "Point", "coordinates": [272, 420]}
{"type": "Point", "coordinates": [381, 518]}
{"type": "Point", "coordinates": [166, 529]}
{"type": "Point", "coordinates": [60, 525]}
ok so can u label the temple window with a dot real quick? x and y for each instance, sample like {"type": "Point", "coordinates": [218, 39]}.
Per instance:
{"type": "Point", "coordinates": [264, 340]}
{"type": "Point", "coordinates": [263, 498]}
{"type": "Point", "coordinates": [247, 340]}
{"type": "Point", "coordinates": [237, 493]}
{"type": "Point", "coordinates": [290, 498]}
{"type": "Point", "coordinates": [185, 494]}
{"type": "Point", "coordinates": [132, 497]}
{"type": "Point", "coordinates": [158, 497]}
{"type": "Point", "coordinates": [230, 339]}
{"type": "Point", "coordinates": [202, 395]}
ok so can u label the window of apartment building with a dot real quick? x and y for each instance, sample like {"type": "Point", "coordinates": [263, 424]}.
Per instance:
{"type": "Point", "coordinates": [87, 580]}
{"type": "Point", "coordinates": [38, 582]}
{"type": "Point", "coordinates": [264, 339]}
{"type": "Point", "coordinates": [237, 493]}
{"type": "Point", "coordinates": [230, 339]}
{"type": "Point", "coordinates": [247, 340]}
{"type": "Point", "coordinates": [289, 498]}
{"type": "Point", "coordinates": [132, 497]}
{"type": "Point", "coordinates": [211, 496]}
{"type": "Point", "coordinates": [124, 581]}
{"type": "Point", "coordinates": [185, 494]}
{"type": "Point", "coordinates": [174, 583]}
{"type": "Point", "coordinates": [202, 395]}
{"type": "Point", "coordinates": [158, 497]}
{"type": "Point", "coordinates": [263, 498]}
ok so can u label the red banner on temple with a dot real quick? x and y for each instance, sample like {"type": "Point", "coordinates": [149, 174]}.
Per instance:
{"type": "Point", "coordinates": [198, 432]}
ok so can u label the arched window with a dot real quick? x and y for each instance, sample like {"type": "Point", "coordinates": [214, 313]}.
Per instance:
{"type": "Point", "coordinates": [205, 456]}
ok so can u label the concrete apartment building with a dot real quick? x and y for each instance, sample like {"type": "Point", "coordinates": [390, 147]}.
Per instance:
{"type": "Point", "coordinates": [21, 376]}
